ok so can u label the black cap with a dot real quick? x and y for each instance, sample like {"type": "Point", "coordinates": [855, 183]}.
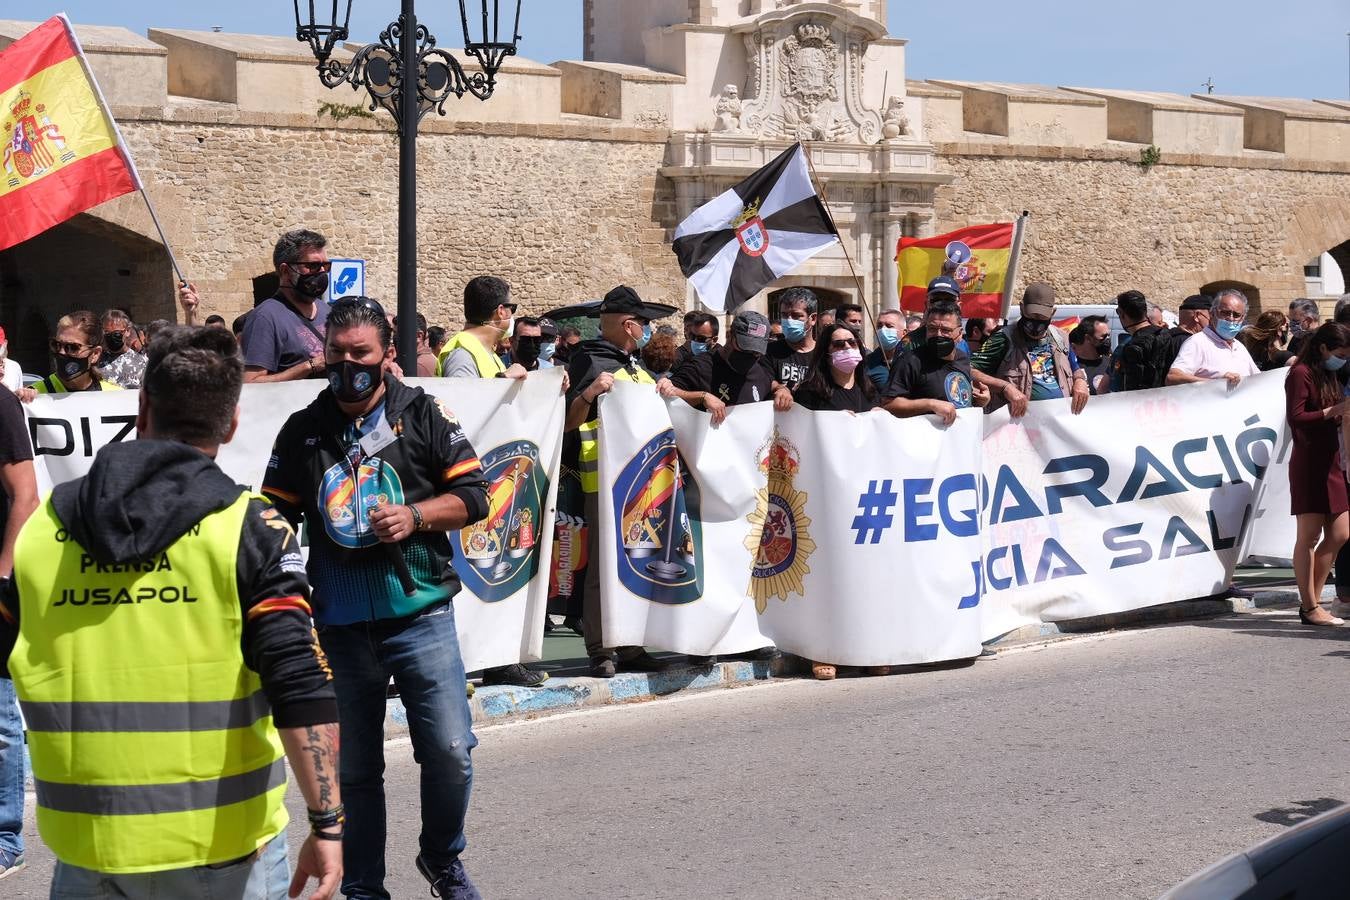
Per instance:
{"type": "Point", "coordinates": [624, 300]}
{"type": "Point", "coordinates": [1197, 301]}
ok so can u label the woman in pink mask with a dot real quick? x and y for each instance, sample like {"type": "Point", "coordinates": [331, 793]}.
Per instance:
{"type": "Point", "coordinates": [835, 381]}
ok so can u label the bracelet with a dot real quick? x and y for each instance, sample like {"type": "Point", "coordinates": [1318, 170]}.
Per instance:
{"type": "Point", "coordinates": [326, 835]}
{"type": "Point", "coordinates": [330, 818]}
{"type": "Point", "coordinates": [417, 517]}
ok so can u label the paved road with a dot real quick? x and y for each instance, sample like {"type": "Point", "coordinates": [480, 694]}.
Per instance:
{"type": "Point", "coordinates": [1099, 767]}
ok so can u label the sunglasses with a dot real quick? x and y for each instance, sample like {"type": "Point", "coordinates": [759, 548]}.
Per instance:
{"type": "Point", "coordinates": [311, 268]}
{"type": "Point", "coordinates": [63, 348]}
{"type": "Point", "coordinates": [844, 344]}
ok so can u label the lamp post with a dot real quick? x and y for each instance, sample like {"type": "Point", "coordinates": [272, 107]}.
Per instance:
{"type": "Point", "coordinates": [408, 75]}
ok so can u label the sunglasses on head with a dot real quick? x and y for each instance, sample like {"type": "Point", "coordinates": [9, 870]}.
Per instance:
{"type": "Point", "coordinates": [361, 302]}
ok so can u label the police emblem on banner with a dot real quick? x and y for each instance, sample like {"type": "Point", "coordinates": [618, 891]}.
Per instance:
{"type": "Point", "coordinates": [779, 537]}
{"type": "Point", "coordinates": [500, 554]}
{"type": "Point", "coordinates": [660, 537]}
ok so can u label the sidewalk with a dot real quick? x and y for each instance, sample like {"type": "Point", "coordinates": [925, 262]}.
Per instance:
{"type": "Point", "coordinates": [569, 688]}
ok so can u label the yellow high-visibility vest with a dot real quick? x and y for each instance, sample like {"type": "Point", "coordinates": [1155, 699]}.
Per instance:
{"type": "Point", "coordinates": [152, 742]}
{"type": "Point", "coordinates": [588, 461]}
{"type": "Point", "coordinates": [53, 385]}
{"type": "Point", "coordinates": [489, 364]}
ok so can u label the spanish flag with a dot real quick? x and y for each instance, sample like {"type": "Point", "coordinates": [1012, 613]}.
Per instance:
{"type": "Point", "coordinates": [978, 258]}
{"type": "Point", "coordinates": [60, 151]}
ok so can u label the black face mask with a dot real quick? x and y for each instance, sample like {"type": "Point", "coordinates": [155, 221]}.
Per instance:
{"type": "Point", "coordinates": [1104, 348]}
{"type": "Point", "coordinates": [526, 352]}
{"type": "Point", "coordinates": [312, 286]}
{"type": "Point", "coordinates": [353, 382]}
{"type": "Point", "coordinates": [1033, 330]}
{"type": "Point", "coordinates": [939, 347]}
{"type": "Point", "coordinates": [114, 341]}
{"type": "Point", "coordinates": [71, 366]}
{"type": "Point", "coordinates": [741, 360]}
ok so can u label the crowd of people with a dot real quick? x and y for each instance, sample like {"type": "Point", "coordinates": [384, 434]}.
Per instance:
{"type": "Point", "coordinates": [299, 651]}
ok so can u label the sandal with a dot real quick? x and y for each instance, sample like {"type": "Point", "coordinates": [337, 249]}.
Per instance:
{"type": "Point", "coordinates": [1318, 616]}
{"type": "Point", "coordinates": [823, 671]}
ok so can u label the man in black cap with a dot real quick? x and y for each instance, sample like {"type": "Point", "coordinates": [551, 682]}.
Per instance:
{"type": "Point", "coordinates": [941, 288]}
{"type": "Point", "coordinates": [736, 372]}
{"type": "Point", "coordinates": [1192, 318]}
{"type": "Point", "coordinates": [594, 366]}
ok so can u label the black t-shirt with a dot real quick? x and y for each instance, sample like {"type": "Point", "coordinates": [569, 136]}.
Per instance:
{"type": "Point", "coordinates": [917, 377]}
{"type": "Point", "coordinates": [851, 399]}
{"type": "Point", "coordinates": [790, 367]}
{"type": "Point", "coordinates": [711, 373]}
{"type": "Point", "coordinates": [14, 443]}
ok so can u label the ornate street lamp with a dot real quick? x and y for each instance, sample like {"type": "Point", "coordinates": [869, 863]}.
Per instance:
{"type": "Point", "coordinates": [406, 56]}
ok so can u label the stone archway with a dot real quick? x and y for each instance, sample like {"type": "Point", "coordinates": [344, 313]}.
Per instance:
{"type": "Point", "coordinates": [1250, 291]}
{"type": "Point", "coordinates": [85, 263]}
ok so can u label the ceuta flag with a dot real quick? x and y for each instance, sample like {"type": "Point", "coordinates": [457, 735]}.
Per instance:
{"type": "Point", "coordinates": [60, 152]}
{"type": "Point", "coordinates": [742, 240]}
{"type": "Point", "coordinates": [977, 257]}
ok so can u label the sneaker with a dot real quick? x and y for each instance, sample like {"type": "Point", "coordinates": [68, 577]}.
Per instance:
{"type": "Point", "coordinates": [514, 674]}
{"type": "Point", "coordinates": [574, 624]}
{"type": "Point", "coordinates": [642, 661]}
{"type": "Point", "coordinates": [1340, 608]}
{"type": "Point", "coordinates": [700, 662]}
{"type": "Point", "coordinates": [768, 654]}
{"type": "Point", "coordinates": [450, 883]}
{"type": "Point", "coordinates": [10, 862]}
{"type": "Point", "coordinates": [602, 667]}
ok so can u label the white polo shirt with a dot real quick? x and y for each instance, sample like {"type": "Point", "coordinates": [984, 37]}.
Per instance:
{"type": "Point", "coordinates": [1206, 355]}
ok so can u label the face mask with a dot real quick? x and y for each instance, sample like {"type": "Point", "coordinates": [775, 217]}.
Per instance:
{"type": "Point", "coordinates": [1033, 330]}
{"type": "Point", "coordinates": [646, 336]}
{"type": "Point", "coordinates": [698, 348]}
{"type": "Point", "coordinates": [1228, 330]}
{"type": "Point", "coordinates": [846, 360]}
{"type": "Point", "coordinates": [527, 352]}
{"type": "Point", "coordinates": [741, 360]}
{"type": "Point", "coordinates": [939, 347]}
{"type": "Point", "coordinates": [794, 330]}
{"type": "Point", "coordinates": [1104, 348]}
{"type": "Point", "coordinates": [1333, 363]}
{"type": "Point", "coordinates": [353, 382]}
{"type": "Point", "coordinates": [4, 353]}
{"type": "Point", "coordinates": [312, 286]}
{"type": "Point", "coordinates": [547, 350]}
{"type": "Point", "coordinates": [71, 366]}
{"type": "Point", "coordinates": [114, 341]}
{"type": "Point", "coordinates": [889, 338]}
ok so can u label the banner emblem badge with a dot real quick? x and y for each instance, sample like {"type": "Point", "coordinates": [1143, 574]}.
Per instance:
{"type": "Point", "coordinates": [779, 538]}
{"type": "Point", "coordinates": [656, 505]}
{"type": "Point", "coordinates": [500, 553]}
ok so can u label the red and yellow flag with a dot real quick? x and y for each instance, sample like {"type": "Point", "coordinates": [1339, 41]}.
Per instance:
{"type": "Point", "coordinates": [60, 152]}
{"type": "Point", "coordinates": [978, 258]}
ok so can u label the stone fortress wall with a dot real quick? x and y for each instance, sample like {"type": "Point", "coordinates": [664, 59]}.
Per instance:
{"type": "Point", "coordinates": [574, 175]}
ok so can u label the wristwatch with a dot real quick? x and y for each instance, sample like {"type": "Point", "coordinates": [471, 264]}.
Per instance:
{"type": "Point", "coordinates": [417, 517]}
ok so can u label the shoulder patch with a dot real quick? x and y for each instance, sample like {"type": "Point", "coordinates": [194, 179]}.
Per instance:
{"type": "Point", "coordinates": [445, 413]}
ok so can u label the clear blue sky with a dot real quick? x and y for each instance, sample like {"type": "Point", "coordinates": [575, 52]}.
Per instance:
{"type": "Point", "coordinates": [1296, 48]}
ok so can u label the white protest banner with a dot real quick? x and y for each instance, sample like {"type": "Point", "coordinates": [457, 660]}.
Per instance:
{"type": "Point", "coordinates": [516, 428]}
{"type": "Point", "coordinates": [871, 548]}
{"type": "Point", "coordinates": [673, 546]}
{"type": "Point", "coordinates": [1141, 500]}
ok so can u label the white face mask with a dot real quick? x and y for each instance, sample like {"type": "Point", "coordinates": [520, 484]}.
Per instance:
{"type": "Point", "coordinates": [4, 352]}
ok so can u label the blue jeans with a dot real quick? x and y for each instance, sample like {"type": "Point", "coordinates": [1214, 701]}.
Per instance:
{"type": "Point", "coordinates": [264, 875]}
{"type": "Point", "coordinates": [11, 770]}
{"type": "Point", "coordinates": [421, 653]}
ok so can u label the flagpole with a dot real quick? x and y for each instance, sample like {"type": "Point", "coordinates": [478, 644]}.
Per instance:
{"type": "Point", "coordinates": [122, 145]}
{"type": "Point", "coordinates": [848, 258]}
{"type": "Point", "coordinates": [1015, 256]}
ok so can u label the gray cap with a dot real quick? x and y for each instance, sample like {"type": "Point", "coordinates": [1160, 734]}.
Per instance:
{"type": "Point", "coordinates": [752, 332]}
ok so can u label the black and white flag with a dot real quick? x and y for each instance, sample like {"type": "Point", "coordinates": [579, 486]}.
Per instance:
{"type": "Point", "coordinates": [739, 242]}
